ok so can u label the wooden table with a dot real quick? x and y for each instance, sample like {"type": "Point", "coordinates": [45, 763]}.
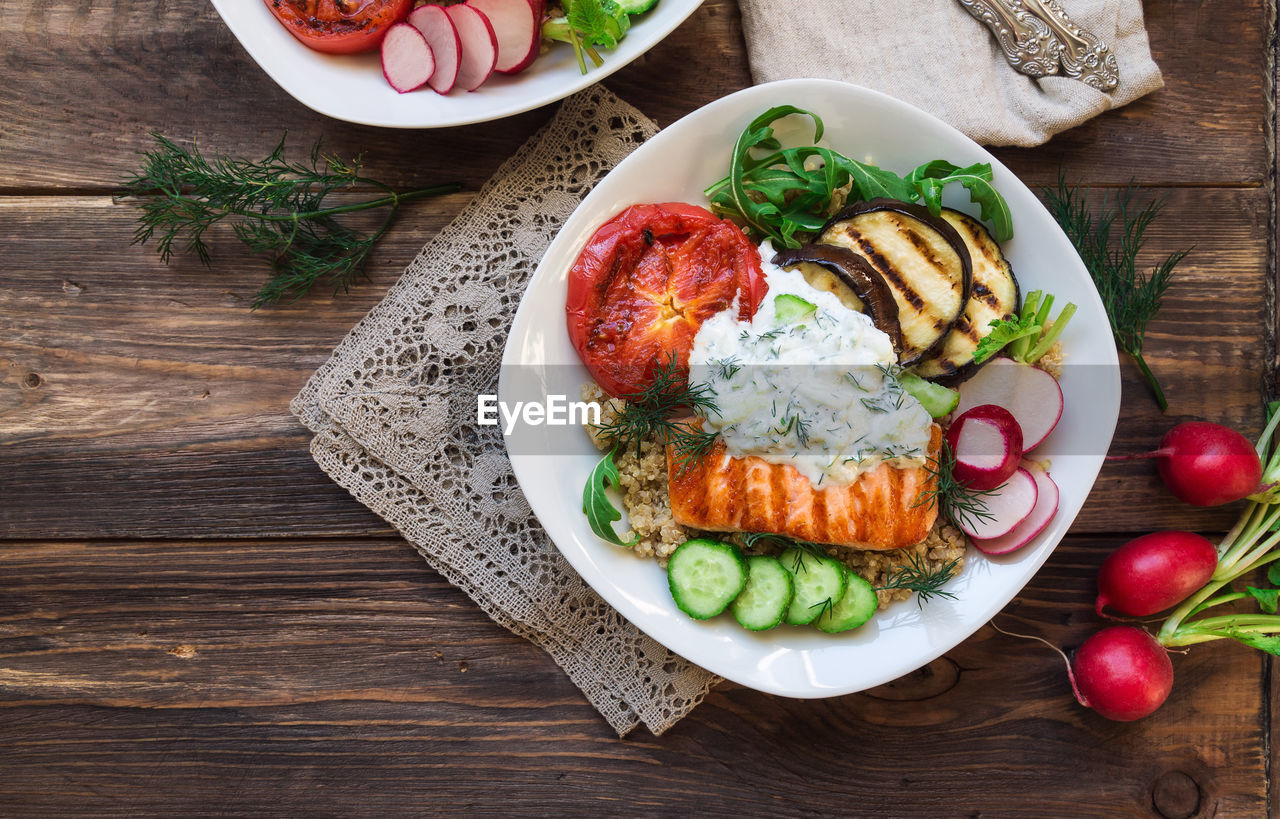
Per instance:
{"type": "Point", "coordinates": [192, 617]}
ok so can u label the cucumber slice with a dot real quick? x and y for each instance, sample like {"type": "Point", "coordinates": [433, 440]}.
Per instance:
{"type": "Point", "coordinates": [789, 309]}
{"type": "Point", "coordinates": [636, 6]}
{"type": "Point", "coordinates": [765, 598]}
{"type": "Point", "coordinates": [818, 579]}
{"type": "Point", "coordinates": [851, 610]}
{"type": "Point", "coordinates": [936, 399]}
{"type": "Point", "coordinates": [705, 576]}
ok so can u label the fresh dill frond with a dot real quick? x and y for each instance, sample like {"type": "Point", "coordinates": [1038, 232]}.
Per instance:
{"type": "Point", "coordinates": [726, 368]}
{"type": "Point", "coordinates": [277, 207]}
{"type": "Point", "coordinates": [690, 443]}
{"type": "Point", "coordinates": [823, 606]}
{"type": "Point", "coordinates": [750, 540]}
{"type": "Point", "coordinates": [917, 576]}
{"type": "Point", "coordinates": [1131, 298]}
{"type": "Point", "coordinates": [653, 414]}
{"type": "Point", "coordinates": [956, 501]}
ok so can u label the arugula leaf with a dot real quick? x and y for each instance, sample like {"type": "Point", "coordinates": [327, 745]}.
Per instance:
{"type": "Point", "coordinates": [784, 194]}
{"type": "Point", "coordinates": [930, 178]}
{"type": "Point", "coordinates": [1273, 574]}
{"type": "Point", "coordinates": [600, 511]}
{"type": "Point", "coordinates": [993, 207]}
{"type": "Point", "coordinates": [1003, 332]}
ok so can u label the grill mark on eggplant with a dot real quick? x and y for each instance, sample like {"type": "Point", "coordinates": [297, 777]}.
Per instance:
{"type": "Point", "coordinates": [923, 259]}
{"type": "Point", "coordinates": [925, 249]}
{"type": "Point", "coordinates": [887, 270]}
{"type": "Point", "coordinates": [994, 294]}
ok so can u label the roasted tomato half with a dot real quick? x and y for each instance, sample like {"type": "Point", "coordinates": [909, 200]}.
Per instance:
{"type": "Point", "coordinates": [647, 280]}
{"type": "Point", "coordinates": [339, 26]}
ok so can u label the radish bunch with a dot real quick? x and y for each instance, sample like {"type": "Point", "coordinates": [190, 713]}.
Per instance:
{"type": "Point", "coordinates": [1005, 411]}
{"type": "Point", "coordinates": [1123, 672]}
{"type": "Point", "coordinates": [461, 46]}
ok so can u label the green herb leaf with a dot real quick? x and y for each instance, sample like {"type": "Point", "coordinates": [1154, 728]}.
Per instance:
{"type": "Point", "coordinates": [1025, 335]}
{"type": "Point", "coordinates": [919, 577]}
{"type": "Point", "coordinates": [1003, 332]}
{"type": "Point", "coordinates": [1131, 298]}
{"type": "Point", "coordinates": [652, 415]}
{"type": "Point", "coordinates": [1267, 598]}
{"type": "Point", "coordinates": [596, 505]}
{"type": "Point", "coordinates": [785, 194]}
{"type": "Point", "coordinates": [277, 209]}
{"type": "Point", "coordinates": [956, 501]}
{"type": "Point", "coordinates": [1270, 643]}
{"type": "Point", "coordinates": [994, 209]}
{"type": "Point", "coordinates": [930, 178]}
{"type": "Point", "coordinates": [598, 22]}
{"type": "Point", "coordinates": [1273, 574]}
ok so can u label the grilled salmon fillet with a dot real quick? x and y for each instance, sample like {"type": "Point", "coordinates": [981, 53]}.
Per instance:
{"type": "Point", "coordinates": [878, 511]}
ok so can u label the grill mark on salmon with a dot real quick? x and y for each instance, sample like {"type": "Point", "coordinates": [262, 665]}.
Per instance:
{"type": "Point", "coordinates": [878, 511]}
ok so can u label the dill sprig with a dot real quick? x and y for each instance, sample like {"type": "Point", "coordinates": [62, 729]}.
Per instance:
{"type": "Point", "coordinates": [1130, 297]}
{"type": "Point", "coordinates": [750, 540]}
{"type": "Point", "coordinates": [956, 500]}
{"type": "Point", "coordinates": [651, 415]}
{"type": "Point", "coordinates": [917, 576]}
{"type": "Point", "coordinates": [278, 208]}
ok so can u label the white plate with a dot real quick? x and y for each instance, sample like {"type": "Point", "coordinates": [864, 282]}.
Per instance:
{"type": "Point", "coordinates": [352, 88]}
{"type": "Point", "coordinates": [798, 662]}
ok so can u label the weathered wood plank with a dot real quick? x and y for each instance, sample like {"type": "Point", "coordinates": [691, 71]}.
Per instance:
{"type": "Point", "coordinates": [85, 84]}
{"type": "Point", "coordinates": [346, 676]}
{"type": "Point", "coordinates": [126, 386]}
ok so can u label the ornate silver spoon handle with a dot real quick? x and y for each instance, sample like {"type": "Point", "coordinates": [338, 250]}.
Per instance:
{"type": "Point", "coordinates": [1039, 40]}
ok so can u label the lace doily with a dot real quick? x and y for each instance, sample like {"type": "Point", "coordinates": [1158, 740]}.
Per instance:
{"type": "Point", "coordinates": [393, 414]}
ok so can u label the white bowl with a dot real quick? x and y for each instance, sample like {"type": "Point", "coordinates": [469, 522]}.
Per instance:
{"type": "Point", "coordinates": [352, 88]}
{"type": "Point", "coordinates": [675, 166]}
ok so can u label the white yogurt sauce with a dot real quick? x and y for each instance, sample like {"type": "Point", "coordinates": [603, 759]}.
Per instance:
{"type": "Point", "coordinates": [817, 393]}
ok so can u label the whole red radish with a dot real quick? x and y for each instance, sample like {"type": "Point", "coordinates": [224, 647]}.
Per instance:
{"type": "Point", "coordinates": [1122, 673]}
{"type": "Point", "coordinates": [1155, 572]}
{"type": "Point", "coordinates": [1207, 464]}
{"type": "Point", "coordinates": [986, 442]}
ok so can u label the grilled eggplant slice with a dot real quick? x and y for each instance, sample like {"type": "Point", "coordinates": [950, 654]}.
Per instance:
{"type": "Point", "coordinates": [920, 256]}
{"type": "Point", "coordinates": [995, 296]}
{"type": "Point", "coordinates": [856, 283]}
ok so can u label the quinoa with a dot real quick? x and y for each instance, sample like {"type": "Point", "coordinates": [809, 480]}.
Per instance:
{"type": "Point", "coordinates": [642, 480]}
{"type": "Point", "coordinates": [1051, 361]}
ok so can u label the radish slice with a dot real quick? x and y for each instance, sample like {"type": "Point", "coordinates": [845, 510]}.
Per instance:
{"type": "Point", "coordinates": [1031, 394]}
{"type": "Point", "coordinates": [517, 26]}
{"type": "Point", "coordinates": [407, 62]}
{"type": "Point", "coordinates": [479, 45]}
{"type": "Point", "coordinates": [438, 30]}
{"type": "Point", "coordinates": [1007, 506]}
{"type": "Point", "coordinates": [987, 444]}
{"type": "Point", "coordinates": [1022, 534]}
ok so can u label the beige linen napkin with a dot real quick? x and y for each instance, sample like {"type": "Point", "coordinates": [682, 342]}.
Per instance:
{"type": "Point", "coordinates": [934, 55]}
{"type": "Point", "coordinates": [393, 412]}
